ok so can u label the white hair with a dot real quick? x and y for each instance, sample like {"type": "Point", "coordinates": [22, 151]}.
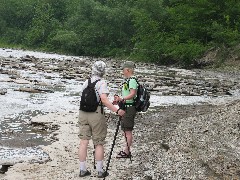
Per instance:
{"type": "Point", "coordinates": [98, 68]}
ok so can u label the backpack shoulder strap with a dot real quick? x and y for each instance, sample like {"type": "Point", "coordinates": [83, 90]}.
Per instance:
{"type": "Point", "coordinates": [92, 84]}
{"type": "Point", "coordinates": [130, 79]}
{"type": "Point", "coordinates": [100, 101]}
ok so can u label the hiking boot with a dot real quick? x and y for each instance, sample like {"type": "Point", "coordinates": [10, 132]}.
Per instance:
{"type": "Point", "coordinates": [102, 174]}
{"type": "Point", "coordinates": [84, 173]}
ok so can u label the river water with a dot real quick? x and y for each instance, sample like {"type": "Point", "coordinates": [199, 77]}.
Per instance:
{"type": "Point", "coordinates": [17, 108]}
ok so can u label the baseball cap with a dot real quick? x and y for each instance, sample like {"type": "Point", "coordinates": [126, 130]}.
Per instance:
{"type": "Point", "coordinates": [128, 64]}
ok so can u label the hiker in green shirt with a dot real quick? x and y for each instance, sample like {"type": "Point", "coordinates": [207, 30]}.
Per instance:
{"type": "Point", "coordinates": [129, 91]}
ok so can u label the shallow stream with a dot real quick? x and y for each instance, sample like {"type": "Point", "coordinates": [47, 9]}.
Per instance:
{"type": "Point", "coordinates": [17, 108]}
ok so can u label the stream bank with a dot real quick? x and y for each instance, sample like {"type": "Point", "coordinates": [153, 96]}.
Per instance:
{"type": "Point", "coordinates": [189, 110]}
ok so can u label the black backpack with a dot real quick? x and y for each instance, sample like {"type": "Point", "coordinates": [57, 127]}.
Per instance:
{"type": "Point", "coordinates": [89, 101]}
{"type": "Point", "coordinates": [142, 100]}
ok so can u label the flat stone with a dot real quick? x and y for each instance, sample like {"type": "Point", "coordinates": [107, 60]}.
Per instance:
{"type": "Point", "coordinates": [30, 90]}
{"type": "Point", "coordinates": [6, 80]}
{"type": "Point", "coordinates": [10, 156]}
{"type": "Point", "coordinates": [22, 81]}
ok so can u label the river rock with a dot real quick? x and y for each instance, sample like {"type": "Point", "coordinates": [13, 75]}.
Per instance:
{"type": "Point", "coordinates": [48, 77]}
{"type": "Point", "coordinates": [29, 90]}
{"type": "Point", "coordinates": [3, 71]}
{"type": "Point", "coordinates": [22, 81]}
{"type": "Point", "coordinates": [3, 91]}
{"type": "Point", "coordinates": [42, 84]}
{"type": "Point", "coordinates": [28, 58]}
{"type": "Point", "coordinates": [6, 80]}
{"type": "Point", "coordinates": [158, 88]}
{"type": "Point", "coordinates": [10, 156]}
{"type": "Point", "coordinates": [4, 169]}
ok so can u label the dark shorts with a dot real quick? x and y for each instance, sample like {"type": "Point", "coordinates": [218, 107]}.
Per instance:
{"type": "Point", "coordinates": [127, 122]}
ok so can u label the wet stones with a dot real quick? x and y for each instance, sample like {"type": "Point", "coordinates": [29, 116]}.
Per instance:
{"type": "Point", "coordinates": [29, 90]}
{"type": "Point", "coordinates": [3, 91]}
{"type": "Point", "coordinates": [34, 90]}
{"type": "Point", "coordinates": [179, 82]}
{"type": "Point", "coordinates": [22, 81]}
{"type": "Point", "coordinates": [28, 58]}
{"type": "Point", "coordinates": [7, 131]}
{"type": "Point", "coordinates": [10, 156]}
{"type": "Point", "coordinates": [46, 127]}
{"type": "Point", "coordinates": [3, 71]}
{"type": "Point", "coordinates": [4, 169]}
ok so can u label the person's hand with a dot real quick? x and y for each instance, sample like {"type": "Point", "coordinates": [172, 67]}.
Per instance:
{"type": "Point", "coordinates": [118, 99]}
{"type": "Point", "coordinates": [121, 112]}
{"type": "Point", "coordinates": [115, 101]}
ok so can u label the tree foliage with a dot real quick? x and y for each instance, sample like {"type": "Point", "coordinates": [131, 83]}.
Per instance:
{"type": "Point", "coordinates": [162, 31]}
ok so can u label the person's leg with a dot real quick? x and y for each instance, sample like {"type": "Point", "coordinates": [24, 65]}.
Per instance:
{"type": "Point", "coordinates": [129, 137]}
{"type": "Point", "coordinates": [99, 152]}
{"type": "Point", "coordinates": [99, 133]}
{"type": "Point", "coordinates": [82, 153]}
{"type": "Point", "coordinates": [127, 125]}
{"type": "Point", "coordinates": [85, 135]}
{"type": "Point", "coordinates": [99, 156]}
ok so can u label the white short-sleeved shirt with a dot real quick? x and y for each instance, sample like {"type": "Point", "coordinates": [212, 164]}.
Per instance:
{"type": "Point", "coordinates": [101, 86]}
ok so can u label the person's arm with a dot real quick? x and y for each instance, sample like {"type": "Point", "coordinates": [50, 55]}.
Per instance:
{"type": "Point", "coordinates": [132, 88]}
{"type": "Point", "coordinates": [130, 96]}
{"type": "Point", "coordinates": [110, 106]}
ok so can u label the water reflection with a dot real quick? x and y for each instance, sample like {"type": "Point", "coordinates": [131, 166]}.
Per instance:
{"type": "Point", "coordinates": [16, 130]}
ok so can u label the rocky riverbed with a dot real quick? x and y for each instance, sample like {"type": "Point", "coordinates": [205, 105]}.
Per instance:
{"type": "Point", "coordinates": [172, 144]}
{"type": "Point", "coordinates": [190, 132]}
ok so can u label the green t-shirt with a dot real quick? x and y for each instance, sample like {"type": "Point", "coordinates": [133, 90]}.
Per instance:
{"type": "Point", "coordinates": [132, 83]}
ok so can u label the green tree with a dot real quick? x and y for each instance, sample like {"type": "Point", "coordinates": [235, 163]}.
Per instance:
{"type": "Point", "coordinates": [101, 30]}
{"type": "Point", "coordinates": [15, 18]}
{"type": "Point", "coordinates": [162, 31]}
{"type": "Point", "coordinates": [43, 24]}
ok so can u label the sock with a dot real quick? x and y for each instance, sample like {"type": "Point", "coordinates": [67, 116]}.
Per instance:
{"type": "Point", "coordinates": [100, 166]}
{"type": "Point", "coordinates": [83, 166]}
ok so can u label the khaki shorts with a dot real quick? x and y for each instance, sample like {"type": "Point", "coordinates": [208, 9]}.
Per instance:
{"type": "Point", "coordinates": [127, 122]}
{"type": "Point", "coordinates": [92, 125]}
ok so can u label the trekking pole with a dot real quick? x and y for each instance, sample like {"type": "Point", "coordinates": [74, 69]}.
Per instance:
{"type": "Point", "coordinates": [94, 160]}
{"type": "Point", "coordinates": [113, 144]}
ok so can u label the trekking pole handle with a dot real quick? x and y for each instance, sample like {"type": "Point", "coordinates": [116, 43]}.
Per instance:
{"type": "Point", "coordinates": [118, 110]}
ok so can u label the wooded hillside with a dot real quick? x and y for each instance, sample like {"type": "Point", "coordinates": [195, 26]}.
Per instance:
{"type": "Point", "coordinates": [162, 31]}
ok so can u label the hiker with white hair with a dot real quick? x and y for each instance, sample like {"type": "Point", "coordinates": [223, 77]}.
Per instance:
{"type": "Point", "coordinates": [92, 122]}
